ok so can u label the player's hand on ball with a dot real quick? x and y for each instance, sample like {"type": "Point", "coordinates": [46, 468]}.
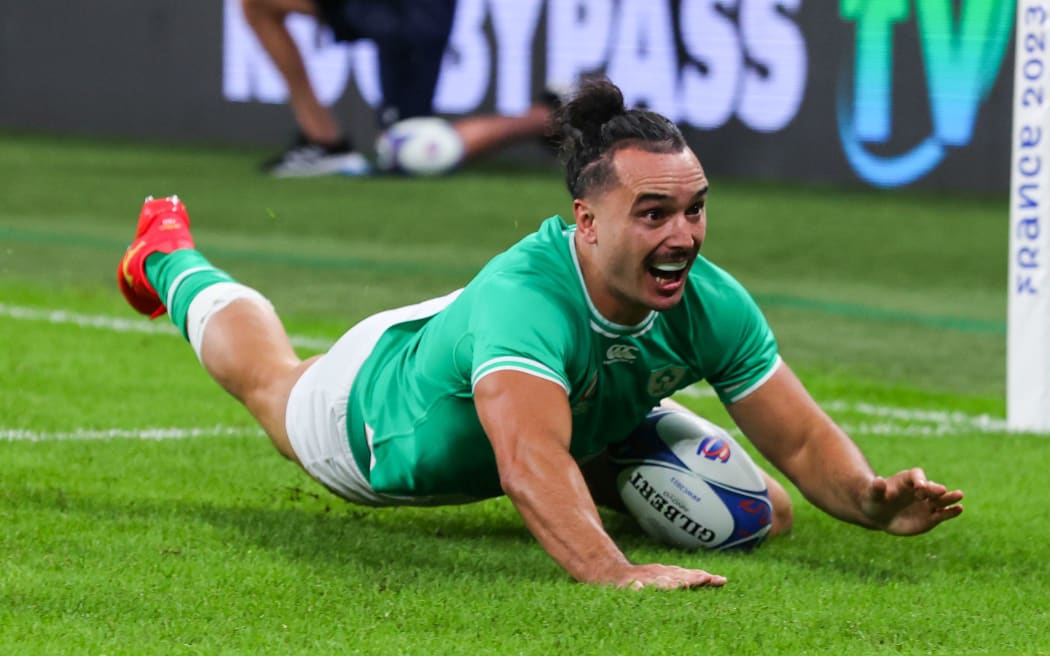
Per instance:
{"type": "Point", "coordinates": [908, 504]}
{"type": "Point", "coordinates": [667, 577]}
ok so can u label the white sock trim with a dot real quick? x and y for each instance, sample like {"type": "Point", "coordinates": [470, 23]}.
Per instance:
{"type": "Point", "coordinates": [210, 301]}
{"type": "Point", "coordinates": [178, 281]}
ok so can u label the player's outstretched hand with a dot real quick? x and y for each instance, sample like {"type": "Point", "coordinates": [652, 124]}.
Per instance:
{"type": "Point", "coordinates": [666, 577]}
{"type": "Point", "coordinates": [908, 504]}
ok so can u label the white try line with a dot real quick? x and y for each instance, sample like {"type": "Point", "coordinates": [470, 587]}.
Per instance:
{"type": "Point", "coordinates": [981, 423]}
{"type": "Point", "coordinates": [171, 433]}
{"type": "Point", "coordinates": [888, 419]}
{"type": "Point", "coordinates": [910, 421]}
{"type": "Point", "coordinates": [175, 433]}
{"type": "Point", "coordinates": [122, 325]}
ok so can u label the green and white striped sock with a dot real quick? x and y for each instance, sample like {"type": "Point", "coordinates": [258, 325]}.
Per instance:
{"type": "Point", "coordinates": [178, 277]}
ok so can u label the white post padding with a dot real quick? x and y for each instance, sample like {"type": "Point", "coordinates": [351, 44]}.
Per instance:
{"type": "Point", "coordinates": [1028, 313]}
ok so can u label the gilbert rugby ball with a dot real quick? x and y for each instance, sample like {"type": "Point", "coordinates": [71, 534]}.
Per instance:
{"type": "Point", "coordinates": [690, 485]}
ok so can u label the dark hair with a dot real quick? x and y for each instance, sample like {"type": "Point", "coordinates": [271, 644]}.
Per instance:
{"type": "Point", "coordinates": [595, 124]}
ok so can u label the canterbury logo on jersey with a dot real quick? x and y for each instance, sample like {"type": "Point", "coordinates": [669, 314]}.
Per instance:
{"type": "Point", "coordinates": [621, 353]}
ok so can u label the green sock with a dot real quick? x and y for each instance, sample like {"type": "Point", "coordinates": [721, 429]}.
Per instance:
{"type": "Point", "coordinates": [189, 272]}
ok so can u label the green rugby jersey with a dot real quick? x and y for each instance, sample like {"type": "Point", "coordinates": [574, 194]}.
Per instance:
{"type": "Point", "coordinates": [413, 427]}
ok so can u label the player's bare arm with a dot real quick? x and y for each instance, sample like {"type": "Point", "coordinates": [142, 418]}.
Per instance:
{"type": "Point", "coordinates": [786, 425]}
{"type": "Point", "coordinates": [529, 423]}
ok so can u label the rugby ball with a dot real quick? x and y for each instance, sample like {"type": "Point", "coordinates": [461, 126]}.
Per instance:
{"type": "Point", "coordinates": [419, 146]}
{"type": "Point", "coordinates": [690, 485]}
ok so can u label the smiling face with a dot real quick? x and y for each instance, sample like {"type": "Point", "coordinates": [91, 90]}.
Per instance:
{"type": "Point", "coordinates": [638, 236]}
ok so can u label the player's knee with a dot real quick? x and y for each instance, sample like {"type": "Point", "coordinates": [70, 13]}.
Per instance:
{"type": "Point", "coordinates": [783, 512]}
{"type": "Point", "coordinates": [783, 517]}
{"type": "Point", "coordinates": [267, 398]}
{"type": "Point", "coordinates": [268, 403]}
{"type": "Point", "coordinates": [268, 406]}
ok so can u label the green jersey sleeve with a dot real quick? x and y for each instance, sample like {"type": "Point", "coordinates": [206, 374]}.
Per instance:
{"type": "Point", "coordinates": [745, 351]}
{"type": "Point", "coordinates": [516, 327]}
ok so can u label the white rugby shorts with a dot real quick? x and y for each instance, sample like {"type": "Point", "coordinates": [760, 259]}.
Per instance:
{"type": "Point", "coordinates": [317, 405]}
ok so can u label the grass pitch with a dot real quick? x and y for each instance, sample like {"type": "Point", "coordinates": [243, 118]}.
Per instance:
{"type": "Point", "coordinates": [143, 513]}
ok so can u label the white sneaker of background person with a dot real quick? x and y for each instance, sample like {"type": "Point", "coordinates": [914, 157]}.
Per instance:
{"type": "Point", "coordinates": [306, 159]}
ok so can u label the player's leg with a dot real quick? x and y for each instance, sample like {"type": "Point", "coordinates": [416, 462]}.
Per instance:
{"type": "Point", "coordinates": [481, 134]}
{"type": "Point", "coordinates": [233, 329]}
{"type": "Point", "coordinates": [247, 351]}
{"type": "Point", "coordinates": [484, 133]}
{"type": "Point", "coordinates": [321, 147]}
{"type": "Point", "coordinates": [410, 55]}
{"type": "Point", "coordinates": [267, 20]}
{"type": "Point", "coordinates": [783, 511]}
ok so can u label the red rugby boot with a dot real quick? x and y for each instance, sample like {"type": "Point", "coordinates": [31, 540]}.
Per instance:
{"type": "Point", "coordinates": [164, 226]}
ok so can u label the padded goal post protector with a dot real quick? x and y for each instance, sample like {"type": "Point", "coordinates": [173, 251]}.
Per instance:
{"type": "Point", "coordinates": [1028, 313]}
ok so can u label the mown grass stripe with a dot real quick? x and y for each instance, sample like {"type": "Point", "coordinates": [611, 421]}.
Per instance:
{"type": "Point", "coordinates": [407, 267]}
{"type": "Point", "coordinates": [404, 267]}
{"type": "Point", "coordinates": [879, 314]}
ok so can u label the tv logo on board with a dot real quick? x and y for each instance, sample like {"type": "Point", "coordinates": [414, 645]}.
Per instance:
{"type": "Point", "coordinates": [962, 52]}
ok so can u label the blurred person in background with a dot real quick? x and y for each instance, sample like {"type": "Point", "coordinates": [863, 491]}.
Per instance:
{"type": "Point", "coordinates": [411, 37]}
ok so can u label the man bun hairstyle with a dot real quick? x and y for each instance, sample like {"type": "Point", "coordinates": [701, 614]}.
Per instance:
{"type": "Point", "coordinates": [595, 124]}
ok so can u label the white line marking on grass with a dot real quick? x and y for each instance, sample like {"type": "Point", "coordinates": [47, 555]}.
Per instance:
{"type": "Point", "coordinates": [171, 433]}
{"type": "Point", "coordinates": [959, 420]}
{"type": "Point", "coordinates": [890, 429]}
{"type": "Point", "coordinates": [121, 325]}
{"type": "Point", "coordinates": [890, 420]}
{"type": "Point", "coordinates": [910, 430]}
